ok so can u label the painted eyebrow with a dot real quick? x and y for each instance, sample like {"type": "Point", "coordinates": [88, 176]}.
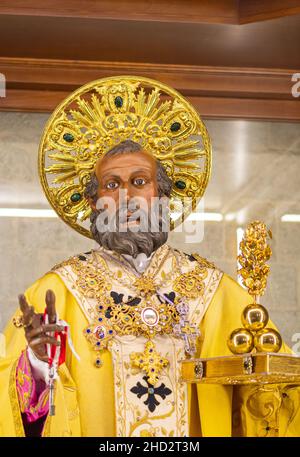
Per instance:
{"type": "Point", "coordinates": [110, 176]}
{"type": "Point", "coordinates": [145, 170]}
{"type": "Point", "coordinates": [141, 171]}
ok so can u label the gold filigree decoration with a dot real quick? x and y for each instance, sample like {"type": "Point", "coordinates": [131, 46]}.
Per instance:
{"type": "Point", "coordinates": [121, 319]}
{"type": "Point", "coordinates": [145, 284]}
{"type": "Point", "coordinates": [191, 284]}
{"type": "Point", "coordinates": [90, 281]}
{"type": "Point", "coordinates": [150, 361]}
{"type": "Point", "coordinates": [166, 317]}
{"type": "Point", "coordinates": [255, 252]}
{"type": "Point", "coordinates": [148, 318]}
{"type": "Point", "coordinates": [105, 112]}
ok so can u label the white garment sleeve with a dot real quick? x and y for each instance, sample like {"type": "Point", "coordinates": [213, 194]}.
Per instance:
{"type": "Point", "coordinates": [38, 367]}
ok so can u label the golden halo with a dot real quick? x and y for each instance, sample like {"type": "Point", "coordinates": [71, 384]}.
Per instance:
{"type": "Point", "coordinates": [101, 114]}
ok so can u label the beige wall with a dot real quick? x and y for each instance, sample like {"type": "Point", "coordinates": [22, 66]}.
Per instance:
{"type": "Point", "coordinates": [256, 171]}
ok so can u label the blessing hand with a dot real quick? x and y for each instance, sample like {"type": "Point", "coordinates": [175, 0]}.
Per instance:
{"type": "Point", "coordinates": [37, 333]}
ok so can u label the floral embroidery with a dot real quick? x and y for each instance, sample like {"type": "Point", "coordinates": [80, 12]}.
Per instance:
{"type": "Point", "coordinates": [31, 404]}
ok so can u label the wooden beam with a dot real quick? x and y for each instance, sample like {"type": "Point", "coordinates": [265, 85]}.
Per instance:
{"type": "Point", "coordinates": [208, 107]}
{"type": "Point", "coordinates": [176, 11]}
{"type": "Point", "coordinates": [188, 11]}
{"type": "Point", "coordinates": [243, 108]}
{"type": "Point", "coordinates": [262, 10]}
{"type": "Point", "coordinates": [40, 84]}
{"type": "Point", "coordinates": [53, 74]}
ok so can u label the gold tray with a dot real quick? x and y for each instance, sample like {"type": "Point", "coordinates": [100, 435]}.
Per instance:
{"type": "Point", "coordinates": [259, 368]}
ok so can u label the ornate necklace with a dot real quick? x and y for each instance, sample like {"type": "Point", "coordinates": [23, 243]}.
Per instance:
{"type": "Point", "coordinates": [147, 318]}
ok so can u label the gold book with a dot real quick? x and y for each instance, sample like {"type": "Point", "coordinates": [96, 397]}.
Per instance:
{"type": "Point", "coordinates": [259, 368]}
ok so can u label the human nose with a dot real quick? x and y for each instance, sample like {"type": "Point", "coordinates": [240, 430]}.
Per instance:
{"type": "Point", "coordinates": [124, 195]}
{"type": "Point", "coordinates": [129, 190]}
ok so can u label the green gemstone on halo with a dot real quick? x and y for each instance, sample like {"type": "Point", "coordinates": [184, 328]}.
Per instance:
{"type": "Point", "coordinates": [175, 126]}
{"type": "Point", "coordinates": [180, 185]}
{"type": "Point", "coordinates": [68, 137]}
{"type": "Point", "coordinates": [75, 197]}
{"type": "Point", "coordinates": [118, 101]}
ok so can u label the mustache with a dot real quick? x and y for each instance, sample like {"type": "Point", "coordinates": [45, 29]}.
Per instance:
{"type": "Point", "coordinates": [135, 220]}
{"type": "Point", "coordinates": [129, 242]}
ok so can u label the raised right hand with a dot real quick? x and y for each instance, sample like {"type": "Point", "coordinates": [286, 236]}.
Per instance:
{"type": "Point", "coordinates": [37, 333]}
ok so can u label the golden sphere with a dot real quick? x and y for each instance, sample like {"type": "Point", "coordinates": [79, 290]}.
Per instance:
{"type": "Point", "coordinates": [255, 317]}
{"type": "Point", "coordinates": [267, 340]}
{"type": "Point", "coordinates": [240, 341]}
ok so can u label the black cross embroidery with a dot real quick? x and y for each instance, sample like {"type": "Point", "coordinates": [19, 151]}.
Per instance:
{"type": "Point", "coordinates": [151, 402]}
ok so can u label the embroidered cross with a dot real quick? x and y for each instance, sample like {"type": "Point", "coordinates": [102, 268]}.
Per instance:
{"type": "Point", "coordinates": [151, 401]}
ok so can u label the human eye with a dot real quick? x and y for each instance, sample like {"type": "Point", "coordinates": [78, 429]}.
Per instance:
{"type": "Point", "coordinates": [139, 181]}
{"type": "Point", "coordinates": [111, 185]}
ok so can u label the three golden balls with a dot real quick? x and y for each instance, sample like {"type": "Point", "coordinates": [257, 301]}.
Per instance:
{"type": "Point", "coordinates": [254, 334]}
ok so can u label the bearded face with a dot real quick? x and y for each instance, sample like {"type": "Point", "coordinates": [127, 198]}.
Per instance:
{"type": "Point", "coordinates": [129, 195]}
{"type": "Point", "coordinates": [130, 232]}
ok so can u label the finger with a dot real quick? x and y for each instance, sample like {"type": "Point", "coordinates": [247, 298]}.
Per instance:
{"type": "Point", "coordinates": [50, 302]}
{"type": "Point", "coordinates": [43, 340]}
{"type": "Point", "coordinates": [23, 303]}
{"type": "Point", "coordinates": [43, 329]}
{"type": "Point", "coordinates": [28, 316]}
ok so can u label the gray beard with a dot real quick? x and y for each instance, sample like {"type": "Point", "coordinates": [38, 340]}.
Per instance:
{"type": "Point", "coordinates": [131, 243]}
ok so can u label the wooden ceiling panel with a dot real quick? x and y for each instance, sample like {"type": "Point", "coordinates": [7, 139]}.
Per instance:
{"type": "Point", "coordinates": [272, 44]}
{"type": "Point", "coordinates": [262, 10]}
{"type": "Point", "coordinates": [52, 47]}
{"type": "Point", "coordinates": [176, 11]}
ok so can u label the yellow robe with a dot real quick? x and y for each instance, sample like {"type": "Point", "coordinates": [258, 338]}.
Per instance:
{"type": "Point", "coordinates": [85, 395]}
